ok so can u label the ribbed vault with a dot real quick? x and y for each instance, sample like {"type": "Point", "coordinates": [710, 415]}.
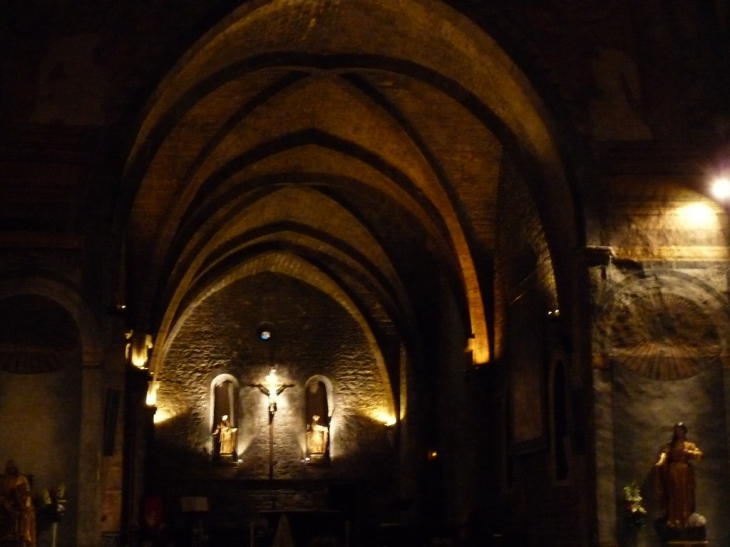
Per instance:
{"type": "Point", "coordinates": [295, 129]}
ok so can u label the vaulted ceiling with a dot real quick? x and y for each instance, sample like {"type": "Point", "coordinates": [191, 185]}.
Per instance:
{"type": "Point", "coordinates": [355, 146]}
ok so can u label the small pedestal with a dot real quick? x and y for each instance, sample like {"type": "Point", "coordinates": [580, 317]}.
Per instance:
{"type": "Point", "coordinates": [695, 536]}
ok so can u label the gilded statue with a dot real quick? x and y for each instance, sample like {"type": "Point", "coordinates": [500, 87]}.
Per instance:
{"type": "Point", "coordinates": [17, 514]}
{"type": "Point", "coordinates": [674, 479]}
{"type": "Point", "coordinates": [226, 436]}
{"type": "Point", "coordinates": [317, 436]}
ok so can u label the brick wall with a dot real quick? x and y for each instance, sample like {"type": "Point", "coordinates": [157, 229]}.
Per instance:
{"type": "Point", "coordinates": [531, 502]}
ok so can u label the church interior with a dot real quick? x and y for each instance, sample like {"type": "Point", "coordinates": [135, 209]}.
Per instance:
{"type": "Point", "coordinates": [365, 273]}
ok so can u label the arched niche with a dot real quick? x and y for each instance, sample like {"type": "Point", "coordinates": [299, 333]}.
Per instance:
{"type": "Point", "coordinates": [82, 465]}
{"type": "Point", "coordinates": [225, 415]}
{"type": "Point", "coordinates": [41, 388]}
{"type": "Point", "coordinates": [318, 410]}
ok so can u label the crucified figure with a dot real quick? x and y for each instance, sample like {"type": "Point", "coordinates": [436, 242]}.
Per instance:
{"type": "Point", "coordinates": [272, 389]}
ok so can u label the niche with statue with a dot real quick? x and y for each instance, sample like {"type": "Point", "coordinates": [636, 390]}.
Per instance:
{"type": "Point", "coordinates": [224, 429]}
{"type": "Point", "coordinates": [318, 413]}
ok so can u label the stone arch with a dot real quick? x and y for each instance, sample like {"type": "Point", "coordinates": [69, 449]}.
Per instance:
{"type": "Point", "coordinates": [225, 415]}
{"type": "Point", "coordinates": [330, 390]}
{"type": "Point", "coordinates": [37, 335]}
{"type": "Point", "coordinates": [318, 410]}
{"type": "Point", "coordinates": [234, 410]}
{"type": "Point", "coordinates": [69, 299]}
{"type": "Point", "coordinates": [469, 65]}
{"type": "Point", "coordinates": [297, 267]}
{"type": "Point", "coordinates": [87, 465]}
{"type": "Point", "coordinates": [629, 326]}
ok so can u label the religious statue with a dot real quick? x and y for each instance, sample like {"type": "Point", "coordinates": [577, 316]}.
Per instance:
{"type": "Point", "coordinates": [317, 436]}
{"type": "Point", "coordinates": [272, 389]}
{"type": "Point", "coordinates": [674, 479]}
{"type": "Point", "coordinates": [17, 514]}
{"type": "Point", "coordinates": [226, 436]}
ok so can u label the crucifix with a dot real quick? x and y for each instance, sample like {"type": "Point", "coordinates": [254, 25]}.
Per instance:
{"type": "Point", "coordinates": [272, 389]}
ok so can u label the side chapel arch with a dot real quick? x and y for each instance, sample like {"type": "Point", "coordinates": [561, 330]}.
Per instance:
{"type": "Point", "coordinates": [88, 530]}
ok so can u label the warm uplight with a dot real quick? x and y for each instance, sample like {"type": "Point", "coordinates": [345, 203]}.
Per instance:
{"type": "Point", "coordinates": [162, 415]}
{"type": "Point", "coordinates": [151, 399]}
{"type": "Point", "coordinates": [385, 418]}
{"type": "Point", "coordinates": [721, 188]}
{"type": "Point", "coordinates": [696, 214]}
{"type": "Point", "coordinates": [432, 455]}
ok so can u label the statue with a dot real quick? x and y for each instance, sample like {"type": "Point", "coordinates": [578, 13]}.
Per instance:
{"type": "Point", "coordinates": [272, 389]}
{"type": "Point", "coordinates": [17, 514]}
{"type": "Point", "coordinates": [317, 436]}
{"type": "Point", "coordinates": [226, 436]}
{"type": "Point", "coordinates": [674, 480]}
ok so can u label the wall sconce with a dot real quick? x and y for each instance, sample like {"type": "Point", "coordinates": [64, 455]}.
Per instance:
{"type": "Point", "coordinates": [720, 188]}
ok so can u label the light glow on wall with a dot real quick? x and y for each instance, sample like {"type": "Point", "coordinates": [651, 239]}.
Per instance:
{"type": "Point", "coordinates": [272, 383]}
{"type": "Point", "coordinates": [151, 399]}
{"type": "Point", "coordinates": [697, 215]}
{"type": "Point", "coordinates": [384, 418]}
{"type": "Point", "coordinates": [162, 415]}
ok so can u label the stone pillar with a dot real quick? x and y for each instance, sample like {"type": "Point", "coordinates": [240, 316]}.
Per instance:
{"type": "Point", "coordinates": [726, 391]}
{"type": "Point", "coordinates": [89, 499]}
{"type": "Point", "coordinates": [605, 463]}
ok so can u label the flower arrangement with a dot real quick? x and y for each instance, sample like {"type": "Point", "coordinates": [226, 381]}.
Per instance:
{"type": "Point", "coordinates": [634, 510]}
{"type": "Point", "coordinates": [54, 502]}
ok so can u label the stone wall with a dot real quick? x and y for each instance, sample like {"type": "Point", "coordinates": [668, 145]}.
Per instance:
{"type": "Point", "coordinates": [311, 335]}
{"type": "Point", "coordinates": [535, 501]}
{"type": "Point", "coordinates": [660, 348]}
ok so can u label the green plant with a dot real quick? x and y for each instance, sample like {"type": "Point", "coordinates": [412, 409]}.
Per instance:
{"type": "Point", "coordinates": [634, 511]}
{"type": "Point", "coordinates": [54, 502]}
